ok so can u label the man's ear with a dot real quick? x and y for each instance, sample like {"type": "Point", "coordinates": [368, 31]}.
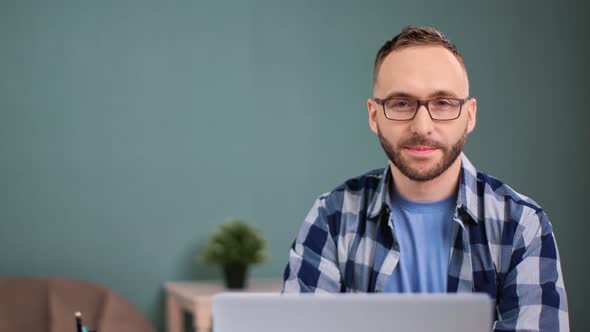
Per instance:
{"type": "Point", "coordinates": [371, 108]}
{"type": "Point", "coordinates": [471, 114]}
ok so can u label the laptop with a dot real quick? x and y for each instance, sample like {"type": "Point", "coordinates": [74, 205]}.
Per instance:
{"type": "Point", "coordinates": [260, 312]}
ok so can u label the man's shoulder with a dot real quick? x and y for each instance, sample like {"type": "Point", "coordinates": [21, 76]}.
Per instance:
{"type": "Point", "coordinates": [365, 183]}
{"type": "Point", "coordinates": [353, 194]}
{"type": "Point", "coordinates": [503, 203]}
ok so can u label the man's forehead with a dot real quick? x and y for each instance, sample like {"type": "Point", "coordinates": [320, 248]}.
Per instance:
{"type": "Point", "coordinates": [421, 70]}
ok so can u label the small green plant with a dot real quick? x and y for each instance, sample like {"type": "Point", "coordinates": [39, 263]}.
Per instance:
{"type": "Point", "coordinates": [235, 243]}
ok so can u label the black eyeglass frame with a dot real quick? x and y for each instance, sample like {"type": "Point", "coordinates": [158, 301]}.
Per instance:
{"type": "Point", "coordinates": [424, 103]}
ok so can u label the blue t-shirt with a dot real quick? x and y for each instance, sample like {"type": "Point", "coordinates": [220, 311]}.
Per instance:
{"type": "Point", "coordinates": [423, 231]}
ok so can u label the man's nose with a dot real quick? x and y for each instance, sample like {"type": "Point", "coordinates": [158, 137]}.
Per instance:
{"type": "Point", "coordinates": [422, 123]}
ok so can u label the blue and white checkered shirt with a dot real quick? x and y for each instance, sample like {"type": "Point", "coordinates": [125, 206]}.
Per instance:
{"type": "Point", "coordinates": [503, 245]}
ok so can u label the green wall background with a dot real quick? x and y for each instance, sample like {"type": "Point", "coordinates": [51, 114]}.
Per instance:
{"type": "Point", "coordinates": [130, 129]}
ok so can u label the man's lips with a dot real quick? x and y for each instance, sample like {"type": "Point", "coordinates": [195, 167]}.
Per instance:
{"type": "Point", "coordinates": [421, 150]}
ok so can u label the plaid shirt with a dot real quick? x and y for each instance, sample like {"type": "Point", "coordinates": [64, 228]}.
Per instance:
{"type": "Point", "coordinates": [503, 245]}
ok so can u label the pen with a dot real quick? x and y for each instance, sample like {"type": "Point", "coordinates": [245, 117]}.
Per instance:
{"type": "Point", "coordinates": [78, 322]}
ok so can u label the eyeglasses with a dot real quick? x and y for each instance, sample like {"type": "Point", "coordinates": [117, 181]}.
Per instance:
{"type": "Point", "coordinates": [405, 109]}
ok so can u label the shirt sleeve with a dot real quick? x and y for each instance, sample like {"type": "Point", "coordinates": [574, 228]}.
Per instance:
{"type": "Point", "coordinates": [533, 297]}
{"type": "Point", "coordinates": [313, 258]}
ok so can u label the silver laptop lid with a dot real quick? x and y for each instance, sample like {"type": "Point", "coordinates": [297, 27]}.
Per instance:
{"type": "Point", "coordinates": [258, 312]}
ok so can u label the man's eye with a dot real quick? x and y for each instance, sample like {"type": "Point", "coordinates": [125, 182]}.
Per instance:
{"type": "Point", "coordinates": [399, 103]}
{"type": "Point", "coordinates": [442, 102]}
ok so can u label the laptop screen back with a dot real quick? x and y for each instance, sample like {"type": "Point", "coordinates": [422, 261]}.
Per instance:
{"type": "Point", "coordinates": [258, 312]}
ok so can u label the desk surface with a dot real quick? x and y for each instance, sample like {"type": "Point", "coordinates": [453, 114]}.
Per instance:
{"type": "Point", "coordinates": [193, 289]}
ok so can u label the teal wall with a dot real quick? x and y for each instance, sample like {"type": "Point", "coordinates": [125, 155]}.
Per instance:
{"type": "Point", "coordinates": [130, 129]}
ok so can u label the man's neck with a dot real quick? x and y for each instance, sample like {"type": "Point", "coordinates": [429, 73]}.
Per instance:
{"type": "Point", "coordinates": [428, 191]}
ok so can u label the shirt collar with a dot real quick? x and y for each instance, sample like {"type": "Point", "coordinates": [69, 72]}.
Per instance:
{"type": "Point", "coordinates": [467, 198]}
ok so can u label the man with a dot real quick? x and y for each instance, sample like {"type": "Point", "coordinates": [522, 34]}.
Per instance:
{"type": "Point", "coordinates": [429, 222]}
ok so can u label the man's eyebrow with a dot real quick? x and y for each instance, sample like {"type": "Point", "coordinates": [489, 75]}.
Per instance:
{"type": "Point", "coordinates": [399, 94]}
{"type": "Point", "coordinates": [435, 94]}
{"type": "Point", "coordinates": [443, 93]}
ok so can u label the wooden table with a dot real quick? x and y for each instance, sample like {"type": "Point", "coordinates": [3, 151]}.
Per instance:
{"type": "Point", "coordinates": [196, 298]}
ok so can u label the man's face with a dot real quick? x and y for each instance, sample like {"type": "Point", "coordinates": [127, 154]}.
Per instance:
{"type": "Point", "coordinates": [422, 148]}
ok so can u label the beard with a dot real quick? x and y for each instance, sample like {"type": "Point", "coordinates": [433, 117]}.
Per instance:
{"type": "Point", "coordinates": [450, 154]}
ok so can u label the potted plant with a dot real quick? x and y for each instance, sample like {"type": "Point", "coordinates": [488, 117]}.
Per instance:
{"type": "Point", "coordinates": [235, 246]}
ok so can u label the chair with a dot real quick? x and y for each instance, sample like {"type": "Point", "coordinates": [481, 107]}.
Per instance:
{"type": "Point", "coordinates": [49, 305]}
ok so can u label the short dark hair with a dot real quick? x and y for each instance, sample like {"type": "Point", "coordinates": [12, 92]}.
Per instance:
{"type": "Point", "coordinates": [414, 36]}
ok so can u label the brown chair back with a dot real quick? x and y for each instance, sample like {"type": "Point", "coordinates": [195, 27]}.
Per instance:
{"type": "Point", "coordinates": [49, 305]}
